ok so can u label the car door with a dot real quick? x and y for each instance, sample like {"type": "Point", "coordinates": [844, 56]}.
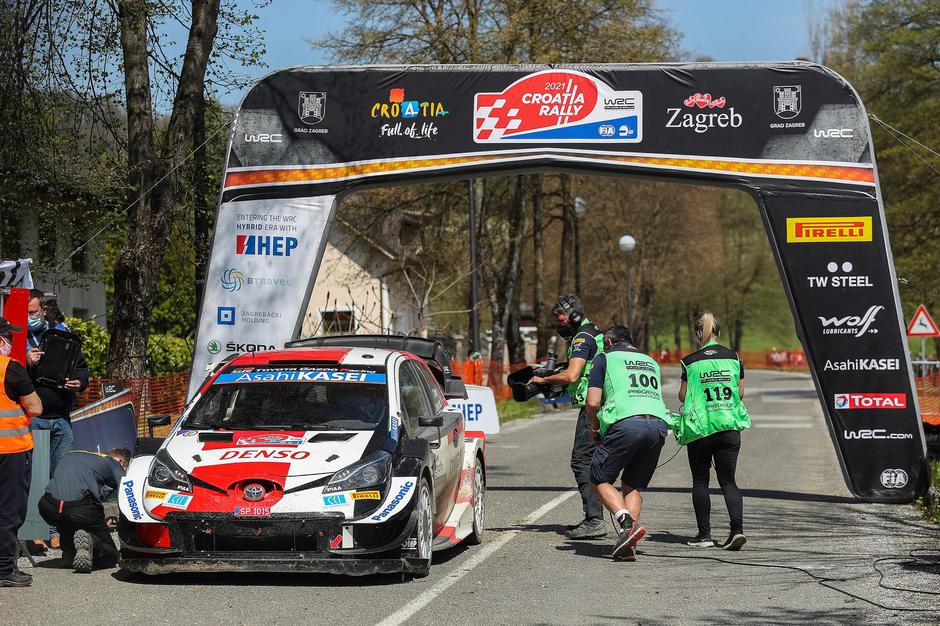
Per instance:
{"type": "Point", "coordinates": [451, 450]}
{"type": "Point", "coordinates": [415, 404]}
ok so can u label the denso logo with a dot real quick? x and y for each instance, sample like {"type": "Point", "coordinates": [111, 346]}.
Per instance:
{"type": "Point", "coordinates": [875, 433]}
{"type": "Point", "coordinates": [265, 245]}
{"type": "Point", "coordinates": [294, 455]}
{"type": "Point", "coordinates": [851, 324]}
{"type": "Point", "coordinates": [264, 138]}
{"type": "Point", "coordinates": [132, 499]}
{"type": "Point", "coordinates": [846, 401]}
{"type": "Point", "coordinates": [828, 229]}
{"type": "Point", "coordinates": [393, 504]}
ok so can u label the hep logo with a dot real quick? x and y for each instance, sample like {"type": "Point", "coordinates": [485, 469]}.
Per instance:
{"type": "Point", "coordinates": [265, 245]}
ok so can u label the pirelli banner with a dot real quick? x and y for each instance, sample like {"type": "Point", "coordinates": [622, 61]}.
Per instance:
{"type": "Point", "coordinates": [795, 135]}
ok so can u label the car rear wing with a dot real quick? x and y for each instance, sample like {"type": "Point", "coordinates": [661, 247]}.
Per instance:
{"type": "Point", "coordinates": [429, 350]}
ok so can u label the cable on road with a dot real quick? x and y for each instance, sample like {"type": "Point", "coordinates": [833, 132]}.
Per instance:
{"type": "Point", "coordinates": [825, 581]}
{"type": "Point", "coordinates": [671, 458]}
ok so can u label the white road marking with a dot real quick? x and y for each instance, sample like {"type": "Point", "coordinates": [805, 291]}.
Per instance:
{"type": "Point", "coordinates": [406, 612]}
{"type": "Point", "coordinates": [783, 425]}
{"type": "Point", "coordinates": [781, 418]}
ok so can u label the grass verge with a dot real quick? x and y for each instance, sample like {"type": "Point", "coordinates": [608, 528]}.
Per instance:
{"type": "Point", "coordinates": [510, 410]}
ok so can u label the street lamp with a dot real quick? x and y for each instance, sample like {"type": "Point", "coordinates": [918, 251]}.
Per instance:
{"type": "Point", "coordinates": [627, 244]}
{"type": "Point", "coordinates": [580, 208]}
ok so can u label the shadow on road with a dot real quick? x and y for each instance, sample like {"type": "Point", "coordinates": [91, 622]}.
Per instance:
{"type": "Point", "coordinates": [771, 494]}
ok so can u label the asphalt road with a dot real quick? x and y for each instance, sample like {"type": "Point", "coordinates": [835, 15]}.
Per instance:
{"type": "Point", "coordinates": [798, 514]}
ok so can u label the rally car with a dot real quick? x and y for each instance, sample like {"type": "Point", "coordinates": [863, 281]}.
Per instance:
{"type": "Point", "coordinates": [335, 454]}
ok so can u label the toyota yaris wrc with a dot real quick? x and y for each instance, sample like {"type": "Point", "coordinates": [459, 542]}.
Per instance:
{"type": "Point", "coordinates": [331, 459]}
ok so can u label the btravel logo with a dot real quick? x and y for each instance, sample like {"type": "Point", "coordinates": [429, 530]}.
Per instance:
{"type": "Point", "coordinates": [557, 106]}
{"type": "Point", "coordinates": [848, 401]}
{"type": "Point", "coordinates": [828, 229]}
{"type": "Point", "coordinates": [265, 245]}
{"type": "Point", "coordinates": [232, 280]}
{"type": "Point", "coordinates": [841, 275]}
{"type": "Point", "coordinates": [703, 122]}
{"type": "Point", "coordinates": [851, 324]}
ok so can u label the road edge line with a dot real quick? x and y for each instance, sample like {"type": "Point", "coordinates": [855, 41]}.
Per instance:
{"type": "Point", "coordinates": [406, 612]}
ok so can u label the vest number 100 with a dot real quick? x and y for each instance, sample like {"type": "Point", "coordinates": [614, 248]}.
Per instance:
{"type": "Point", "coordinates": [720, 393]}
{"type": "Point", "coordinates": [644, 381]}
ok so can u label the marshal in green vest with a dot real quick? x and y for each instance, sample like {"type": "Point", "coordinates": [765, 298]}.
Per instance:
{"type": "Point", "coordinates": [577, 390]}
{"type": "Point", "coordinates": [632, 386]}
{"type": "Point", "coordinates": [712, 402]}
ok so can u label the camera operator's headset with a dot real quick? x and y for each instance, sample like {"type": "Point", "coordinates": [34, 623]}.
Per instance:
{"type": "Point", "coordinates": [571, 306]}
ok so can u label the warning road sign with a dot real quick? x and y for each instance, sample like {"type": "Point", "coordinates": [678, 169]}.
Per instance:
{"type": "Point", "coordinates": [922, 325]}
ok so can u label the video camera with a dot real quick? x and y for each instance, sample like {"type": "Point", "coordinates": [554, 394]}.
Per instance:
{"type": "Point", "coordinates": [522, 389]}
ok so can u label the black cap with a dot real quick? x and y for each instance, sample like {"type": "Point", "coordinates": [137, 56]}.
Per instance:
{"type": "Point", "coordinates": [6, 327]}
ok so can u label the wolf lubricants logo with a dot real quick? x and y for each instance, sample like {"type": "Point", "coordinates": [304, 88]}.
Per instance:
{"type": "Point", "coordinates": [831, 229]}
{"type": "Point", "coordinates": [558, 107]}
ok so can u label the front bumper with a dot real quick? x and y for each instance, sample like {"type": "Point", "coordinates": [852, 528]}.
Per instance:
{"type": "Point", "coordinates": [221, 542]}
{"type": "Point", "coordinates": [273, 562]}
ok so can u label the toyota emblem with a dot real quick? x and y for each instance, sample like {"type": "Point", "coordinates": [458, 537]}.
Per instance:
{"type": "Point", "coordinates": [253, 492]}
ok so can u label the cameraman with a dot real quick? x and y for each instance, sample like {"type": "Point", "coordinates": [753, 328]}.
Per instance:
{"type": "Point", "coordinates": [626, 413]}
{"type": "Point", "coordinates": [585, 341]}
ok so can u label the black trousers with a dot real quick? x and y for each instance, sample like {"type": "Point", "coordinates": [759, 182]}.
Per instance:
{"type": "Point", "coordinates": [723, 448]}
{"type": "Point", "coordinates": [84, 514]}
{"type": "Point", "coordinates": [581, 456]}
{"type": "Point", "coordinates": [14, 491]}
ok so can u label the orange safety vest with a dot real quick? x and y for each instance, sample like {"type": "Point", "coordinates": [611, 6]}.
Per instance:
{"type": "Point", "coordinates": [14, 423]}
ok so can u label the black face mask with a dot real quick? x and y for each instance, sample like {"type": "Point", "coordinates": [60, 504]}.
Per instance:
{"type": "Point", "coordinates": [566, 332]}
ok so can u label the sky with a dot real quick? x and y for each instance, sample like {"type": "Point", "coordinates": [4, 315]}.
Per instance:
{"type": "Point", "coordinates": [725, 30]}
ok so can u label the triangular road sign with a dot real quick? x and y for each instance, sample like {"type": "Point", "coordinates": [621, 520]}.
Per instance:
{"type": "Point", "coordinates": [922, 325]}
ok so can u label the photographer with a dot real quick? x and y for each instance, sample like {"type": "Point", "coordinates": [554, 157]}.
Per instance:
{"type": "Point", "coordinates": [627, 415]}
{"type": "Point", "coordinates": [584, 342]}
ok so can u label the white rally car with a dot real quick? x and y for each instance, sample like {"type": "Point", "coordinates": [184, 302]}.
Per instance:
{"type": "Point", "coordinates": [336, 454]}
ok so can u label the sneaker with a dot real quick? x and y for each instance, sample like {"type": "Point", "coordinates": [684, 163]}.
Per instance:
{"type": "Point", "coordinates": [701, 541]}
{"type": "Point", "coordinates": [629, 555]}
{"type": "Point", "coordinates": [627, 539]}
{"type": "Point", "coordinates": [593, 528]}
{"type": "Point", "coordinates": [16, 578]}
{"type": "Point", "coordinates": [67, 558]}
{"type": "Point", "coordinates": [735, 541]}
{"type": "Point", "coordinates": [83, 547]}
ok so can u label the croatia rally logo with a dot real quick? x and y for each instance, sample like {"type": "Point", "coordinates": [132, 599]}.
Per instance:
{"type": "Point", "coordinates": [558, 107]}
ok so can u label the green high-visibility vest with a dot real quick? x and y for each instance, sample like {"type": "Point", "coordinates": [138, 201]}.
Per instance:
{"type": "Point", "coordinates": [712, 402]}
{"type": "Point", "coordinates": [577, 390]}
{"type": "Point", "coordinates": [632, 386]}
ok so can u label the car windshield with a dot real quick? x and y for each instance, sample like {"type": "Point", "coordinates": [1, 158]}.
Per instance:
{"type": "Point", "coordinates": [293, 398]}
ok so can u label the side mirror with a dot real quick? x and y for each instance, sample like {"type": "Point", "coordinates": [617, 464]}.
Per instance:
{"type": "Point", "coordinates": [434, 420]}
{"type": "Point", "coordinates": [157, 420]}
{"type": "Point", "coordinates": [455, 389]}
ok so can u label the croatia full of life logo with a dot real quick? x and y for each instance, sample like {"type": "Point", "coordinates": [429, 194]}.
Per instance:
{"type": "Point", "coordinates": [558, 106]}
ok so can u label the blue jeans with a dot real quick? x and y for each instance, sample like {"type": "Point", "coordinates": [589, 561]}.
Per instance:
{"type": "Point", "coordinates": [60, 438]}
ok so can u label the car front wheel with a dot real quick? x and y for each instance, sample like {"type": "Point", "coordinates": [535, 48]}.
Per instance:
{"type": "Point", "coordinates": [423, 534]}
{"type": "Point", "coordinates": [479, 499]}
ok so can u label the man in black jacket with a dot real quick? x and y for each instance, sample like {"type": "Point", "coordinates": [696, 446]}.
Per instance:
{"type": "Point", "coordinates": [57, 402]}
{"type": "Point", "coordinates": [73, 503]}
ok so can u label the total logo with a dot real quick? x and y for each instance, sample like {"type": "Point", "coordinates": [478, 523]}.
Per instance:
{"type": "Point", "coordinates": [874, 433]}
{"type": "Point", "coordinates": [558, 106]}
{"type": "Point", "coordinates": [841, 276]}
{"type": "Point", "coordinates": [849, 401]}
{"type": "Point", "coordinates": [265, 245]}
{"type": "Point", "coordinates": [828, 229]}
{"type": "Point", "coordinates": [851, 324]}
{"type": "Point", "coordinates": [703, 122]}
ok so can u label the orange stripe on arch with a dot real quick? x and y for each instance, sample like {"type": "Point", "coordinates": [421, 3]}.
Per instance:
{"type": "Point", "coordinates": [846, 173]}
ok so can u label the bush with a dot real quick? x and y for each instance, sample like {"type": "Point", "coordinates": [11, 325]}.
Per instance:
{"type": "Point", "coordinates": [165, 353]}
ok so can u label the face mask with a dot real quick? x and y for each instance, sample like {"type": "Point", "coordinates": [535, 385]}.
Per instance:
{"type": "Point", "coordinates": [36, 323]}
{"type": "Point", "coordinates": [5, 347]}
{"type": "Point", "coordinates": [565, 332]}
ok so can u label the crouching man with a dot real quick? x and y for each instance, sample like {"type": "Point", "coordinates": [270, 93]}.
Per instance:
{"type": "Point", "coordinates": [72, 503]}
{"type": "Point", "coordinates": [626, 415]}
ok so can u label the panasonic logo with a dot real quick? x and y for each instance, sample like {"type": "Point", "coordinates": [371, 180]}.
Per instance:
{"type": "Point", "coordinates": [393, 504]}
{"type": "Point", "coordinates": [132, 500]}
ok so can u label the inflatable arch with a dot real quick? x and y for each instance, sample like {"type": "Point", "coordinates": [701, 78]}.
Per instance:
{"type": "Point", "coordinates": [794, 135]}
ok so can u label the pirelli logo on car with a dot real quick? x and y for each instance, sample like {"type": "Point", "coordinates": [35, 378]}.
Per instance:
{"type": "Point", "coordinates": [828, 229]}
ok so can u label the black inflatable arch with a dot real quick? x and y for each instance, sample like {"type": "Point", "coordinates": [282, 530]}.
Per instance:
{"type": "Point", "coordinates": [795, 135]}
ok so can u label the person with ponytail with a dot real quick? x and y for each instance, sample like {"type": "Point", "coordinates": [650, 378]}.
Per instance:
{"type": "Point", "coordinates": [712, 418]}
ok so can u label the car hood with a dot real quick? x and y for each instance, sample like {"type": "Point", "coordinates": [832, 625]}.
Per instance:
{"type": "Point", "coordinates": [266, 453]}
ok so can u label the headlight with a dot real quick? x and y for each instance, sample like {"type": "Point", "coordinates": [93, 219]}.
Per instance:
{"type": "Point", "coordinates": [164, 472]}
{"type": "Point", "coordinates": [369, 472]}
